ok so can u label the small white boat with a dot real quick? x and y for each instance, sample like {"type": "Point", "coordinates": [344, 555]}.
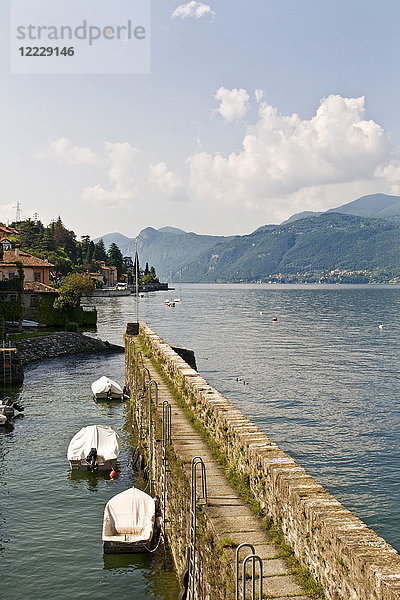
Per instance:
{"type": "Point", "coordinates": [169, 303]}
{"type": "Point", "coordinates": [107, 389]}
{"type": "Point", "coordinates": [94, 448]}
{"type": "Point", "coordinates": [130, 524]}
{"type": "Point", "coordinates": [177, 300]}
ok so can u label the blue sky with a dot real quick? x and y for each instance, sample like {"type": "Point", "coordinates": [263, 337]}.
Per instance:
{"type": "Point", "coordinates": [252, 111]}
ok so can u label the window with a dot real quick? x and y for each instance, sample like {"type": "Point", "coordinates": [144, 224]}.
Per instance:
{"type": "Point", "coordinates": [34, 301]}
{"type": "Point", "coordinates": [37, 277]}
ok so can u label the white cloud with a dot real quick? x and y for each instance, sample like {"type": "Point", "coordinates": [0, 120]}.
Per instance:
{"type": "Point", "coordinates": [259, 95]}
{"type": "Point", "coordinates": [194, 10]}
{"type": "Point", "coordinates": [120, 159]}
{"type": "Point", "coordinates": [390, 173]}
{"type": "Point", "coordinates": [66, 152]}
{"type": "Point", "coordinates": [165, 181]}
{"type": "Point", "coordinates": [234, 104]}
{"type": "Point", "coordinates": [282, 155]}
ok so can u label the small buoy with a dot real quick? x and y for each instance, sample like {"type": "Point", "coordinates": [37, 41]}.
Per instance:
{"type": "Point", "coordinates": [274, 319]}
{"type": "Point", "coordinates": [380, 326]}
{"type": "Point", "coordinates": [261, 312]}
{"type": "Point", "coordinates": [113, 474]}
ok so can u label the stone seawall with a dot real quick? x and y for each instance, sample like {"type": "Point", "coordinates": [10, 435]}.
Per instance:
{"type": "Point", "coordinates": [350, 561]}
{"type": "Point", "coordinates": [61, 343]}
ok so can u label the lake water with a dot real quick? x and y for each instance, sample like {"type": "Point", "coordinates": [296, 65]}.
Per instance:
{"type": "Point", "coordinates": [50, 519]}
{"type": "Point", "coordinates": [324, 380]}
{"type": "Point", "coordinates": [324, 384]}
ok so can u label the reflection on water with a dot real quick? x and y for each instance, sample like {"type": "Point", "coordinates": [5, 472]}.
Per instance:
{"type": "Point", "coordinates": [50, 517]}
{"type": "Point", "coordinates": [323, 380]}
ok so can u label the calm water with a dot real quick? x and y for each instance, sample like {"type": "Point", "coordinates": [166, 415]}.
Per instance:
{"type": "Point", "coordinates": [324, 383]}
{"type": "Point", "coordinates": [50, 520]}
{"type": "Point", "coordinates": [324, 380]}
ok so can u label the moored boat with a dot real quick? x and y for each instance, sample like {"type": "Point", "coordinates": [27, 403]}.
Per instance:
{"type": "Point", "coordinates": [94, 448]}
{"type": "Point", "coordinates": [7, 411]}
{"type": "Point", "coordinates": [130, 523]}
{"type": "Point", "coordinates": [107, 389]}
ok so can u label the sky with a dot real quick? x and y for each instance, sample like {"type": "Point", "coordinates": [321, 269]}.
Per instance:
{"type": "Point", "coordinates": [253, 110]}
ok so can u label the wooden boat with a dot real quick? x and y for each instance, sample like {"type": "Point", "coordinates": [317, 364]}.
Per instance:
{"type": "Point", "coordinates": [94, 448]}
{"type": "Point", "coordinates": [130, 524]}
{"type": "Point", "coordinates": [107, 389]}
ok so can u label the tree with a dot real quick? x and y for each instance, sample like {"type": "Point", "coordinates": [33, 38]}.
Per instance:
{"type": "Point", "coordinates": [115, 258]}
{"type": "Point", "coordinates": [99, 252]}
{"type": "Point", "coordinates": [74, 286]}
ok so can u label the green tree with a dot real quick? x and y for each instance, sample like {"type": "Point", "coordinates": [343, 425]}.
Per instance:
{"type": "Point", "coordinates": [74, 286]}
{"type": "Point", "coordinates": [115, 258]}
{"type": "Point", "coordinates": [89, 254]}
{"type": "Point", "coordinates": [99, 252]}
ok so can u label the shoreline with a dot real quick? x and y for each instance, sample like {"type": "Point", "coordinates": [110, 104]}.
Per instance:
{"type": "Point", "coordinates": [61, 343]}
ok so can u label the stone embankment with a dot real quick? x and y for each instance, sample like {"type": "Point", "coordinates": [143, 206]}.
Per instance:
{"type": "Point", "coordinates": [61, 343]}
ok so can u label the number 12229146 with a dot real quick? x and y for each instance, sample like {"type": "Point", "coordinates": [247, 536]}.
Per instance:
{"type": "Point", "coordinates": [46, 51]}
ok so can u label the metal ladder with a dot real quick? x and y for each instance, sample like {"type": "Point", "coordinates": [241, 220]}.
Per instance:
{"type": "Point", "coordinates": [152, 384]}
{"type": "Point", "coordinates": [253, 557]}
{"type": "Point", "coordinates": [7, 364]}
{"type": "Point", "coordinates": [193, 575]}
{"type": "Point", "coordinates": [166, 440]}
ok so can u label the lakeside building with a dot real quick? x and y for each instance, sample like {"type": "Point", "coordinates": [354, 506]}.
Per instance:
{"type": "Point", "coordinates": [35, 269]}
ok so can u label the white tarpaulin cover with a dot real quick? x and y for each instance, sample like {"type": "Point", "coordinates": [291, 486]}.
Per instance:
{"type": "Point", "coordinates": [131, 512]}
{"type": "Point", "coordinates": [101, 437]}
{"type": "Point", "coordinates": [104, 384]}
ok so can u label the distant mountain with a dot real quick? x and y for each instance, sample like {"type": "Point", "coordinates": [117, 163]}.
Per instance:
{"type": "Point", "coordinates": [122, 241]}
{"type": "Point", "coordinates": [301, 215]}
{"type": "Point", "coordinates": [326, 242]}
{"type": "Point", "coordinates": [171, 230]}
{"type": "Point", "coordinates": [380, 206]}
{"type": "Point", "coordinates": [167, 249]}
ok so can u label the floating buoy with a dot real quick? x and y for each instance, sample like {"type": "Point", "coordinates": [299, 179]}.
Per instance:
{"type": "Point", "coordinates": [261, 312]}
{"type": "Point", "coordinates": [380, 326]}
{"type": "Point", "coordinates": [274, 319]}
{"type": "Point", "coordinates": [113, 474]}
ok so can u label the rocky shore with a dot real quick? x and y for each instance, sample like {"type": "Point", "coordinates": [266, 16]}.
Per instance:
{"type": "Point", "coordinates": [61, 343]}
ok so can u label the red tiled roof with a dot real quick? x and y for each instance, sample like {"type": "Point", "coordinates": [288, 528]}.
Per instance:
{"type": "Point", "coordinates": [37, 286]}
{"type": "Point", "coordinates": [9, 258]}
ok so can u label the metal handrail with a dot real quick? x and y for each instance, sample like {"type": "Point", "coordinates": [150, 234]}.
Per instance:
{"type": "Point", "coordinates": [166, 439]}
{"type": "Point", "coordinates": [253, 558]}
{"type": "Point", "coordinates": [197, 460]}
{"type": "Point", "coordinates": [244, 545]}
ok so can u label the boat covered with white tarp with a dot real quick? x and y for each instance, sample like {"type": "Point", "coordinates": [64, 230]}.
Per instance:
{"type": "Point", "coordinates": [94, 448]}
{"type": "Point", "coordinates": [129, 523]}
{"type": "Point", "coordinates": [107, 389]}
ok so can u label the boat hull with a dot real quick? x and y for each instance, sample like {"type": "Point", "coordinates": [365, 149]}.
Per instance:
{"type": "Point", "coordinates": [106, 396]}
{"type": "Point", "coordinates": [125, 547]}
{"type": "Point", "coordinates": [82, 465]}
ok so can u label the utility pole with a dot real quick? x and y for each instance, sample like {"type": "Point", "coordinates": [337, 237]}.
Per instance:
{"type": "Point", "coordinates": [18, 212]}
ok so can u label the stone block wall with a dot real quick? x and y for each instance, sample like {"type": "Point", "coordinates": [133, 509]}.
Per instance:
{"type": "Point", "coordinates": [350, 561]}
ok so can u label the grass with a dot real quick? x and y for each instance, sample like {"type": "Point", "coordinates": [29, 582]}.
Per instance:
{"type": "Point", "coordinates": [31, 334]}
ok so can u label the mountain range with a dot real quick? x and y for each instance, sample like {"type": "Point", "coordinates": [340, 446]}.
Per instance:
{"type": "Point", "coordinates": [361, 235]}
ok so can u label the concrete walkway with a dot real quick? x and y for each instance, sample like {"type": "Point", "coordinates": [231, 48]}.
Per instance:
{"type": "Point", "coordinates": [229, 516]}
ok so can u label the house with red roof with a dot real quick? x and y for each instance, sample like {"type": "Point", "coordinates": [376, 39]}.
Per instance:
{"type": "Point", "coordinates": [35, 269]}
